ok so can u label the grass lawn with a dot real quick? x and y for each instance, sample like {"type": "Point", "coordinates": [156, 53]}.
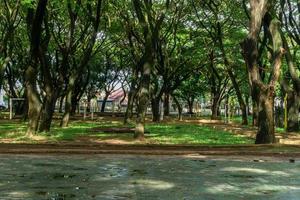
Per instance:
{"type": "Point", "coordinates": [164, 133]}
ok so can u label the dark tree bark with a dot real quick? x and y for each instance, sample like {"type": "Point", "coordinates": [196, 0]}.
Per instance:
{"type": "Point", "coordinates": [50, 86]}
{"type": "Point", "coordinates": [293, 105]}
{"type": "Point", "coordinates": [166, 104]}
{"type": "Point", "coordinates": [155, 104]}
{"type": "Point", "coordinates": [255, 100]}
{"type": "Point", "coordinates": [266, 127]}
{"type": "Point", "coordinates": [190, 102]}
{"type": "Point", "coordinates": [215, 107]}
{"type": "Point", "coordinates": [104, 101]}
{"type": "Point", "coordinates": [35, 20]}
{"type": "Point", "coordinates": [61, 103]}
{"type": "Point", "coordinates": [47, 112]}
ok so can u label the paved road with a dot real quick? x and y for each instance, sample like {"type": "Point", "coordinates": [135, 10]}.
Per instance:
{"type": "Point", "coordinates": [58, 177]}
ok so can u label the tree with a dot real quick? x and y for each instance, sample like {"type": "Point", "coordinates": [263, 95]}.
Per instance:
{"type": "Point", "coordinates": [289, 11]}
{"type": "Point", "coordinates": [262, 13]}
{"type": "Point", "coordinates": [35, 17]}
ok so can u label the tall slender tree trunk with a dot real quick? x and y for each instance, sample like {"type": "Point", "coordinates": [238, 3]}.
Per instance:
{"type": "Point", "coordinates": [104, 102]}
{"type": "Point", "coordinates": [130, 103]}
{"type": "Point", "coordinates": [293, 101]}
{"type": "Point", "coordinates": [179, 108]}
{"type": "Point", "coordinates": [232, 77]}
{"type": "Point", "coordinates": [215, 108]}
{"type": "Point", "coordinates": [239, 97]}
{"type": "Point", "coordinates": [68, 101]}
{"type": "Point", "coordinates": [61, 102]}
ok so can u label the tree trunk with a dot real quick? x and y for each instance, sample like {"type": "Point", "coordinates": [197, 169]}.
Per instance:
{"type": "Point", "coordinates": [255, 96]}
{"type": "Point", "coordinates": [35, 21]}
{"type": "Point", "coordinates": [129, 109]}
{"type": "Point", "coordinates": [104, 102]}
{"type": "Point", "coordinates": [143, 98]}
{"type": "Point", "coordinates": [232, 77]}
{"type": "Point", "coordinates": [293, 101]}
{"type": "Point", "coordinates": [191, 105]}
{"type": "Point", "coordinates": [74, 104]}
{"type": "Point", "coordinates": [68, 102]}
{"type": "Point", "coordinates": [293, 105]}
{"type": "Point", "coordinates": [239, 97]}
{"type": "Point", "coordinates": [179, 108]}
{"type": "Point", "coordinates": [61, 102]}
{"type": "Point", "coordinates": [47, 112]}
{"type": "Point", "coordinates": [167, 104]}
{"type": "Point", "coordinates": [155, 104]}
{"type": "Point", "coordinates": [279, 115]}
{"type": "Point", "coordinates": [266, 128]}
{"type": "Point", "coordinates": [34, 102]}
{"type": "Point", "coordinates": [215, 109]}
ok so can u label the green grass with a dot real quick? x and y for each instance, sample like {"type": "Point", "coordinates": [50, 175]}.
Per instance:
{"type": "Point", "coordinates": [159, 133]}
{"type": "Point", "coordinates": [193, 134]}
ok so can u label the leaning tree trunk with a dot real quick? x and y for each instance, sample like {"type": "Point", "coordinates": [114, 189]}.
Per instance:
{"type": "Point", "coordinates": [232, 76]}
{"type": "Point", "coordinates": [239, 97]}
{"type": "Point", "coordinates": [179, 108]}
{"type": "Point", "coordinates": [104, 102]}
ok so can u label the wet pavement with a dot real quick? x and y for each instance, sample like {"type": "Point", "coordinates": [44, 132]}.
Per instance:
{"type": "Point", "coordinates": [58, 177]}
